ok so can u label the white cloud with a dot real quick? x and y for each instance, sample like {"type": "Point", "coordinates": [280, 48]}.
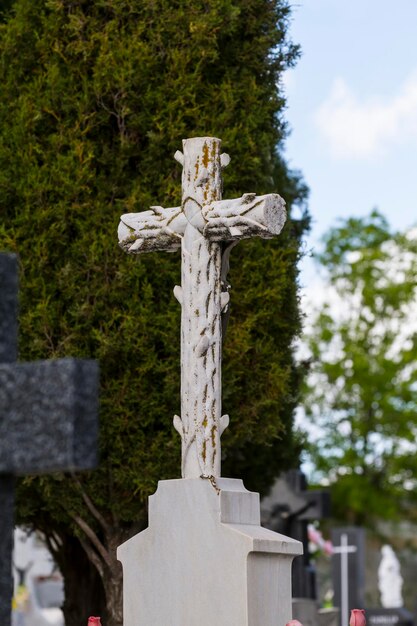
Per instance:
{"type": "Point", "coordinates": [365, 128]}
{"type": "Point", "coordinates": [288, 82]}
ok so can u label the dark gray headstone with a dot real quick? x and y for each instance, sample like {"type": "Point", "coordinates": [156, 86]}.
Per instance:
{"type": "Point", "coordinates": [8, 308]}
{"type": "Point", "coordinates": [6, 546]}
{"type": "Point", "coordinates": [48, 419]}
{"type": "Point", "coordinates": [51, 413]}
{"type": "Point", "coordinates": [348, 570]}
{"type": "Point", "coordinates": [389, 617]}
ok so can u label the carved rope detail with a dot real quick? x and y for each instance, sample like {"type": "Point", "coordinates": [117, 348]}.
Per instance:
{"type": "Point", "coordinates": [199, 227]}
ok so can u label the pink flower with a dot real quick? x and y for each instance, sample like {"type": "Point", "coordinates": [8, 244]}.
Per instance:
{"type": "Point", "coordinates": [294, 622]}
{"type": "Point", "coordinates": [94, 621]}
{"type": "Point", "coordinates": [357, 617]}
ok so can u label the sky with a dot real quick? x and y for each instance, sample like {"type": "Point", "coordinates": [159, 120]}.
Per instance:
{"type": "Point", "coordinates": [352, 110]}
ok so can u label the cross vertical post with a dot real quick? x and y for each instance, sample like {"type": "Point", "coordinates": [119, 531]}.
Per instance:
{"type": "Point", "coordinates": [205, 227]}
{"type": "Point", "coordinates": [201, 422]}
{"type": "Point", "coordinates": [48, 419]}
{"type": "Point", "coordinates": [8, 354]}
{"type": "Point", "coordinates": [6, 546]}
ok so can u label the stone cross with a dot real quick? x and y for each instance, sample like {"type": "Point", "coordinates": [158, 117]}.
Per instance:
{"type": "Point", "coordinates": [205, 227]}
{"type": "Point", "coordinates": [348, 565]}
{"type": "Point", "coordinates": [48, 419]}
{"type": "Point", "coordinates": [344, 550]}
{"type": "Point", "coordinates": [288, 509]}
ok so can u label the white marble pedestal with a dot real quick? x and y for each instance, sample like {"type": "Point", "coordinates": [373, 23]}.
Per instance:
{"type": "Point", "coordinates": [206, 561]}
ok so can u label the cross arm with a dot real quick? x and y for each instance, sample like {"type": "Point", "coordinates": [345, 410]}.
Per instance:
{"type": "Point", "coordinates": [156, 229]}
{"type": "Point", "coordinates": [248, 216]}
{"type": "Point", "coordinates": [50, 410]}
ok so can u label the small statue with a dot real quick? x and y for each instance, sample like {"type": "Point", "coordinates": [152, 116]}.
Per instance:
{"type": "Point", "coordinates": [390, 581]}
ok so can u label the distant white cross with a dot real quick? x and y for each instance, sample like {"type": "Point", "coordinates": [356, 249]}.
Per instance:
{"type": "Point", "coordinates": [344, 550]}
{"type": "Point", "coordinates": [204, 227]}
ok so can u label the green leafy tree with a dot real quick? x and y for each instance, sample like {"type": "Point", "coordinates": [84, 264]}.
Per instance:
{"type": "Point", "coordinates": [361, 392]}
{"type": "Point", "coordinates": [96, 97]}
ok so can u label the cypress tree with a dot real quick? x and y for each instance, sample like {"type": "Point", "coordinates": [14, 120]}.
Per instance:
{"type": "Point", "coordinates": [96, 97]}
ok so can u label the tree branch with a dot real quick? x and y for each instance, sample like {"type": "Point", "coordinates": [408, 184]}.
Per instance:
{"type": "Point", "coordinates": [89, 532]}
{"type": "Point", "coordinates": [91, 506]}
{"type": "Point", "coordinates": [93, 557]}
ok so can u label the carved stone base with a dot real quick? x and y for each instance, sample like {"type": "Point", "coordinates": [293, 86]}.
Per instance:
{"type": "Point", "coordinates": [206, 561]}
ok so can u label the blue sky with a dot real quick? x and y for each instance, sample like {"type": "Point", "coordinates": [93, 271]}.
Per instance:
{"type": "Point", "coordinates": [352, 108]}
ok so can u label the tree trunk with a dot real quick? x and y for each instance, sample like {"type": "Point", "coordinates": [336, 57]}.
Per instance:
{"type": "Point", "coordinates": [84, 591]}
{"type": "Point", "coordinates": [113, 586]}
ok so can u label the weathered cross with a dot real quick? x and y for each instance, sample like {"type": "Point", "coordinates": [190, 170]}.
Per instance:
{"type": "Point", "coordinates": [48, 419]}
{"type": "Point", "coordinates": [205, 227]}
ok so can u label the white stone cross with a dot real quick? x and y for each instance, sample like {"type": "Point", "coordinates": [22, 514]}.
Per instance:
{"type": "Point", "coordinates": [344, 550]}
{"type": "Point", "coordinates": [202, 226]}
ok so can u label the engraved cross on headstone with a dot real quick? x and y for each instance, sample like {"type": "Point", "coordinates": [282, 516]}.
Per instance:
{"type": "Point", "coordinates": [205, 227]}
{"type": "Point", "coordinates": [344, 550]}
{"type": "Point", "coordinates": [48, 419]}
{"type": "Point", "coordinates": [348, 565]}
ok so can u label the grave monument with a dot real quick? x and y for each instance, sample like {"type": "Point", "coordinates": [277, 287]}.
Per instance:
{"type": "Point", "coordinates": [349, 558]}
{"type": "Point", "coordinates": [348, 570]}
{"type": "Point", "coordinates": [390, 583]}
{"type": "Point", "coordinates": [288, 509]}
{"type": "Point", "coordinates": [48, 419]}
{"type": "Point", "coordinates": [204, 559]}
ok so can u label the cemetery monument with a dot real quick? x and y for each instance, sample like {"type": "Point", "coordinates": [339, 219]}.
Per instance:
{"type": "Point", "coordinates": [348, 565]}
{"type": "Point", "coordinates": [349, 558]}
{"type": "Point", "coordinates": [48, 419]}
{"type": "Point", "coordinates": [288, 509]}
{"type": "Point", "coordinates": [204, 559]}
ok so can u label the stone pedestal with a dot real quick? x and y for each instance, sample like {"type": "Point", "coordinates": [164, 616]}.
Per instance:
{"type": "Point", "coordinates": [206, 561]}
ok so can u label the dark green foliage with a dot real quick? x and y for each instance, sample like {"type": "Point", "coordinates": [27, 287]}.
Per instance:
{"type": "Point", "coordinates": [96, 97]}
{"type": "Point", "coordinates": [364, 375]}
{"type": "Point", "coordinates": [5, 6]}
